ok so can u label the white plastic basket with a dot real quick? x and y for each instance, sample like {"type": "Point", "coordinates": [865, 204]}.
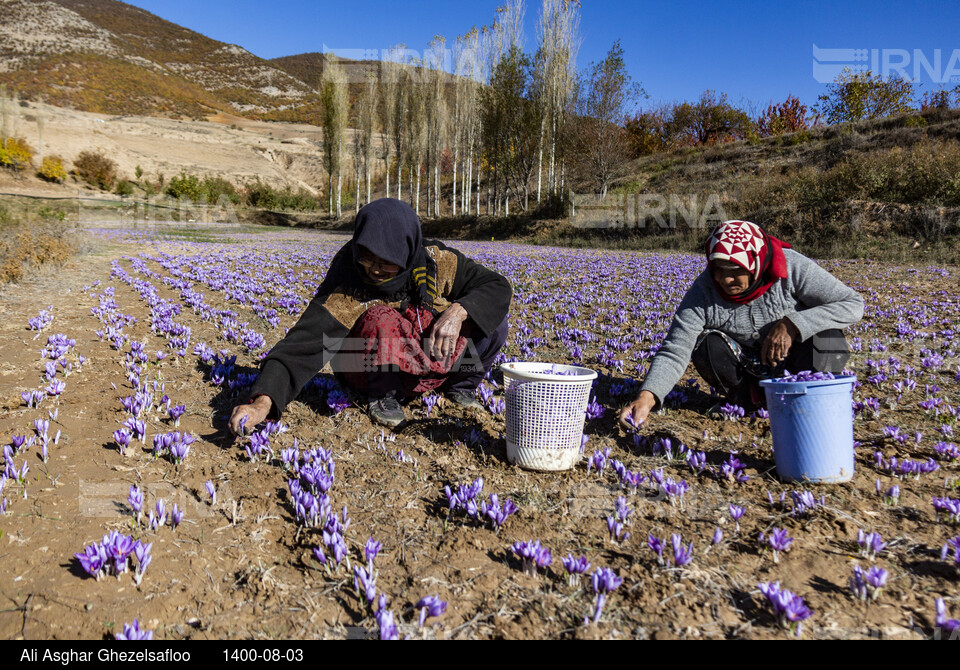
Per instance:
{"type": "Point", "coordinates": [546, 407]}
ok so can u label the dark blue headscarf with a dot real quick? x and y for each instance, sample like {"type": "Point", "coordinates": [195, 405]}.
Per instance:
{"type": "Point", "coordinates": [390, 229]}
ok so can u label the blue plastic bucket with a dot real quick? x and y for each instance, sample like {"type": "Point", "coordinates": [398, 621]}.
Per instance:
{"type": "Point", "coordinates": [812, 428]}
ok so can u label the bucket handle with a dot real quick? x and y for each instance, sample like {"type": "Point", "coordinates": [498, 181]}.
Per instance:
{"type": "Point", "coordinates": [791, 393]}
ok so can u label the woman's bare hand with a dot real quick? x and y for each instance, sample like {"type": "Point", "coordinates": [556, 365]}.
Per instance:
{"type": "Point", "coordinates": [637, 412]}
{"type": "Point", "coordinates": [248, 416]}
{"type": "Point", "coordinates": [777, 344]}
{"type": "Point", "coordinates": [441, 340]}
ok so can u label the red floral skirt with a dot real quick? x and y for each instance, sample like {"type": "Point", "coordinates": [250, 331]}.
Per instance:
{"type": "Point", "coordinates": [384, 350]}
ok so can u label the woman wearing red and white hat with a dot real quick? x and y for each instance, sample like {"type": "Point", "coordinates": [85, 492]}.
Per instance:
{"type": "Point", "coordinates": [759, 309]}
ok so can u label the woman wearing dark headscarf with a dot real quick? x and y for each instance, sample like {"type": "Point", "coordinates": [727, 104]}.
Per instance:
{"type": "Point", "coordinates": [396, 316]}
{"type": "Point", "coordinates": [759, 309]}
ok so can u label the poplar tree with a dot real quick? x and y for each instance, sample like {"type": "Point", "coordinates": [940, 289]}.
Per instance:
{"type": "Point", "coordinates": [334, 97]}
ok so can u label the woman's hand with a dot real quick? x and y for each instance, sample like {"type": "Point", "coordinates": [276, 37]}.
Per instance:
{"type": "Point", "coordinates": [638, 410]}
{"type": "Point", "coordinates": [777, 344]}
{"type": "Point", "coordinates": [441, 340]}
{"type": "Point", "coordinates": [250, 415]}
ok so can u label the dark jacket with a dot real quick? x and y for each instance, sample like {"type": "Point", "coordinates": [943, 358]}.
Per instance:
{"type": "Point", "coordinates": [342, 298]}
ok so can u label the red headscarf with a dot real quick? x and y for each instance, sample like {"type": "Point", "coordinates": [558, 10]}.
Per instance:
{"type": "Point", "coordinates": [747, 245]}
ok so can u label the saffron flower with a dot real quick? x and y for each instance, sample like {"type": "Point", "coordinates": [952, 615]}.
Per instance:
{"type": "Point", "coordinates": [135, 499]}
{"type": "Point", "coordinates": [681, 555]}
{"type": "Point", "coordinates": [870, 544]}
{"type": "Point", "coordinates": [176, 516]}
{"type": "Point", "coordinates": [736, 513]}
{"type": "Point", "coordinates": [788, 607]}
{"type": "Point", "coordinates": [949, 625]}
{"type": "Point", "coordinates": [212, 492]}
{"type": "Point", "coordinates": [134, 632]}
{"type": "Point", "coordinates": [575, 567]}
{"type": "Point", "coordinates": [604, 581]}
{"type": "Point", "coordinates": [656, 544]}
{"type": "Point", "coordinates": [370, 551]}
{"type": "Point", "coordinates": [365, 583]}
{"type": "Point", "coordinates": [430, 606]}
{"type": "Point", "coordinates": [388, 627]}
{"type": "Point", "coordinates": [533, 555]}
{"type": "Point", "coordinates": [779, 541]}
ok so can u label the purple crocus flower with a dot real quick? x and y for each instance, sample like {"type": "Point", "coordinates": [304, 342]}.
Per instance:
{"type": "Point", "coordinates": [736, 512]}
{"type": "Point", "coordinates": [871, 544]}
{"type": "Point", "coordinates": [533, 555]}
{"type": "Point", "coordinates": [365, 583]}
{"type": "Point", "coordinates": [319, 555]}
{"type": "Point", "coordinates": [717, 536]}
{"type": "Point", "coordinates": [161, 518]}
{"type": "Point", "coordinates": [212, 492]}
{"type": "Point", "coordinates": [388, 628]}
{"type": "Point", "coordinates": [496, 513]}
{"type": "Point", "coordinates": [179, 450]}
{"type": "Point", "coordinates": [575, 567]}
{"type": "Point", "coordinates": [135, 499]}
{"type": "Point", "coordinates": [779, 541]}
{"type": "Point", "coordinates": [142, 553]}
{"type": "Point", "coordinates": [681, 555]}
{"type": "Point", "coordinates": [604, 581]}
{"type": "Point", "coordinates": [371, 550]}
{"type": "Point", "coordinates": [789, 608]}
{"type": "Point", "coordinates": [134, 632]}
{"type": "Point", "coordinates": [176, 412]}
{"type": "Point", "coordinates": [950, 506]}
{"type": "Point", "coordinates": [176, 516]}
{"type": "Point", "coordinates": [950, 626]}
{"type": "Point", "coordinates": [430, 606]}
{"type": "Point", "coordinates": [657, 545]}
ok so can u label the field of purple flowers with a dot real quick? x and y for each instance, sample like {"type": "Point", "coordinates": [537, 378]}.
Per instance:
{"type": "Point", "coordinates": [127, 510]}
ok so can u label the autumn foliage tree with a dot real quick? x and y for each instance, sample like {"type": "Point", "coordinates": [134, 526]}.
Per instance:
{"type": "Point", "coordinates": [95, 169]}
{"type": "Point", "coordinates": [789, 116]}
{"type": "Point", "coordinates": [710, 120]}
{"type": "Point", "coordinates": [854, 96]}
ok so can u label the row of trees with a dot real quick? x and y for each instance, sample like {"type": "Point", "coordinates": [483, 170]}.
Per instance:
{"type": "Point", "coordinates": [481, 122]}
{"type": "Point", "coordinates": [488, 126]}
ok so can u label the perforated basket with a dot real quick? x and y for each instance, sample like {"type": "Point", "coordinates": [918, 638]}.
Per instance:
{"type": "Point", "coordinates": [546, 407]}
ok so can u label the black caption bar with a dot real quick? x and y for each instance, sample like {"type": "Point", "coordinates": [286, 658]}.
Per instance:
{"type": "Point", "coordinates": [67, 654]}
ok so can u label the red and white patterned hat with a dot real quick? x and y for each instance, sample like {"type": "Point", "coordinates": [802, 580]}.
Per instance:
{"type": "Point", "coordinates": [739, 242]}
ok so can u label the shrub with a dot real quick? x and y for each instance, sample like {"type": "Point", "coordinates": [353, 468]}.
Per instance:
{"type": "Point", "coordinates": [124, 188]}
{"type": "Point", "coordinates": [15, 153]}
{"type": "Point", "coordinates": [915, 122]}
{"type": "Point", "coordinates": [95, 169]}
{"type": "Point", "coordinates": [266, 197]}
{"type": "Point", "coordinates": [52, 169]}
{"type": "Point", "coordinates": [184, 186]}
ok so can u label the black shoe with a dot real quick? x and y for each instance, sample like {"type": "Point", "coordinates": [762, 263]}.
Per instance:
{"type": "Point", "coordinates": [465, 399]}
{"type": "Point", "coordinates": [386, 410]}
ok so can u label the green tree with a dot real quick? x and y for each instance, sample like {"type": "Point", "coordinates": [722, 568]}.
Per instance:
{"type": "Point", "coordinates": [854, 96]}
{"type": "Point", "coordinates": [511, 124]}
{"type": "Point", "coordinates": [603, 98]}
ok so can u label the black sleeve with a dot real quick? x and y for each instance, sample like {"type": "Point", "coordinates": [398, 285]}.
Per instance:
{"type": "Point", "coordinates": [484, 293]}
{"type": "Point", "coordinates": [307, 347]}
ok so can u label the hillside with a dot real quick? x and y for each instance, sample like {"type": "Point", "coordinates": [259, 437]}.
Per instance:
{"type": "Point", "coordinates": [237, 149]}
{"type": "Point", "coordinates": [837, 189]}
{"type": "Point", "coordinates": [110, 57]}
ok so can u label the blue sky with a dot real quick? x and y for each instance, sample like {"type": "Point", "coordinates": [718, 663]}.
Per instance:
{"type": "Point", "coordinates": [753, 51]}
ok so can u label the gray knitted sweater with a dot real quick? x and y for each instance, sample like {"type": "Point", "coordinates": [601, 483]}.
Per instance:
{"type": "Point", "coordinates": [812, 298]}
